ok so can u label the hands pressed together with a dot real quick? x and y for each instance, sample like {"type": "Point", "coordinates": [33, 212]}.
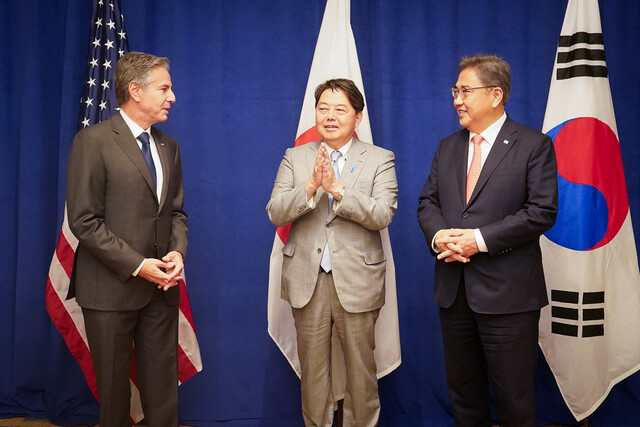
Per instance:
{"type": "Point", "coordinates": [456, 244]}
{"type": "Point", "coordinates": [166, 272]}
{"type": "Point", "coordinates": [323, 175]}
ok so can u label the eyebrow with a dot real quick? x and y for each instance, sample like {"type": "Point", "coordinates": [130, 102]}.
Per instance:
{"type": "Point", "coordinates": [337, 105]}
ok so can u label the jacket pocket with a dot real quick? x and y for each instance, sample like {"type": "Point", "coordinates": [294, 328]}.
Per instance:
{"type": "Point", "coordinates": [289, 249]}
{"type": "Point", "coordinates": [374, 256]}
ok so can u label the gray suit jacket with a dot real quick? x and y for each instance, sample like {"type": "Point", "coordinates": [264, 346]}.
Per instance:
{"type": "Point", "coordinates": [353, 232]}
{"type": "Point", "coordinates": [115, 214]}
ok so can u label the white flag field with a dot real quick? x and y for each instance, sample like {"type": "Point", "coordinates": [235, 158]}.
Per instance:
{"type": "Point", "coordinates": [335, 56]}
{"type": "Point", "coordinates": [590, 332]}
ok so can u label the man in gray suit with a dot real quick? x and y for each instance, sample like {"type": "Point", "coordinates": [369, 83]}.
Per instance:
{"type": "Point", "coordinates": [337, 194]}
{"type": "Point", "coordinates": [124, 198]}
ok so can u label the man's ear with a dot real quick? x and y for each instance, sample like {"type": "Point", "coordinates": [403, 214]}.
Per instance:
{"type": "Point", "coordinates": [134, 91]}
{"type": "Point", "coordinates": [497, 95]}
{"type": "Point", "coordinates": [359, 118]}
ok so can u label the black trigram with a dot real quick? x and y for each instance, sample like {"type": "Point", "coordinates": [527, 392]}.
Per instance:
{"type": "Point", "coordinates": [575, 318]}
{"type": "Point", "coordinates": [581, 55]}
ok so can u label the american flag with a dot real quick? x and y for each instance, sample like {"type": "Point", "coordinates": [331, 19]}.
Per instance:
{"type": "Point", "coordinates": [107, 43]}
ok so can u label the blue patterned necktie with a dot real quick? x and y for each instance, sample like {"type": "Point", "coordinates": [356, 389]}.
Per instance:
{"type": "Point", "coordinates": [325, 262]}
{"type": "Point", "coordinates": [146, 152]}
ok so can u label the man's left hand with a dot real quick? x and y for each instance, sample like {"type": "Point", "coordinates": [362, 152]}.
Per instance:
{"type": "Point", "coordinates": [461, 245]}
{"type": "Point", "coordinates": [330, 183]}
{"type": "Point", "coordinates": [174, 270]}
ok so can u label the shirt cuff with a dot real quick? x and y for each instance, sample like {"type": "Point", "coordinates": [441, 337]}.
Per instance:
{"type": "Point", "coordinates": [482, 246]}
{"type": "Point", "coordinates": [433, 243]}
{"type": "Point", "coordinates": [312, 202]}
{"type": "Point", "coordinates": [135, 273]}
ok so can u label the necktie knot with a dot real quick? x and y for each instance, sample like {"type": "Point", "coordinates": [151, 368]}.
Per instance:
{"type": "Point", "coordinates": [477, 140]}
{"type": "Point", "coordinates": [144, 138]}
{"type": "Point", "coordinates": [335, 155]}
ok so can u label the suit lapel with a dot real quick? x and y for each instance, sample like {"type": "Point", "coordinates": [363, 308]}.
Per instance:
{"type": "Point", "coordinates": [124, 138]}
{"type": "Point", "coordinates": [355, 162]}
{"type": "Point", "coordinates": [164, 163]}
{"type": "Point", "coordinates": [504, 142]}
{"type": "Point", "coordinates": [462, 153]}
{"type": "Point", "coordinates": [356, 159]}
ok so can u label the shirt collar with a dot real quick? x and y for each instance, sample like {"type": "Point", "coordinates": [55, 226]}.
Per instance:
{"type": "Point", "coordinates": [136, 130]}
{"type": "Point", "coordinates": [344, 149]}
{"type": "Point", "coordinates": [491, 133]}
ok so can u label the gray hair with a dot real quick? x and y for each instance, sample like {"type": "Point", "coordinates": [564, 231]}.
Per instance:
{"type": "Point", "coordinates": [492, 70]}
{"type": "Point", "coordinates": [135, 67]}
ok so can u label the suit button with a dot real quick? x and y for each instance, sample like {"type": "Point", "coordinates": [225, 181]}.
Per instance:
{"type": "Point", "coordinates": [465, 215]}
{"type": "Point", "coordinates": [319, 250]}
{"type": "Point", "coordinates": [155, 245]}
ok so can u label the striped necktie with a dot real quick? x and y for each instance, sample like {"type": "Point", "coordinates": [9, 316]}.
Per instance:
{"type": "Point", "coordinates": [476, 166]}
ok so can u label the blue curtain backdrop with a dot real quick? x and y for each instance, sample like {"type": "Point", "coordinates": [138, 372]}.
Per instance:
{"type": "Point", "coordinates": [239, 69]}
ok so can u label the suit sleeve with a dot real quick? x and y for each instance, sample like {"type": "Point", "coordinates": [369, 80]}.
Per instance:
{"type": "Point", "coordinates": [373, 210]}
{"type": "Point", "coordinates": [429, 208]}
{"type": "Point", "coordinates": [288, 198]}
{"type": "Point", "coordinates": [179, 227]}
{"type": "Point", "coordinates": [538, 214]}
{"type": "Point", "coordinates": [86, 188]}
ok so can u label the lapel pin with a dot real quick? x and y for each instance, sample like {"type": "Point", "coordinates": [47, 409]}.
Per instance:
{"type": "Point", "coordinates": [505, 142]}
{"type": "Point", "coordinates": [352, 169]}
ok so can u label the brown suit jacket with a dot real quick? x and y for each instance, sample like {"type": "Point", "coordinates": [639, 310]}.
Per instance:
{"type": "Point", "coordinates": [115, 214]}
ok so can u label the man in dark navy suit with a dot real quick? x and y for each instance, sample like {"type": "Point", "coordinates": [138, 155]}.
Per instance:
{"type": "Point", "coordinates": [491, 193]}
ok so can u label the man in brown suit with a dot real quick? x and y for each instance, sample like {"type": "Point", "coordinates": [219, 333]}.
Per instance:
{"type": "Point", "coordinates": [125, 196]}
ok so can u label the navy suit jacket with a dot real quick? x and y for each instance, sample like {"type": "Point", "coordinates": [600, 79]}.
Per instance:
{"type": "Point", "coordinates": [514, 202]}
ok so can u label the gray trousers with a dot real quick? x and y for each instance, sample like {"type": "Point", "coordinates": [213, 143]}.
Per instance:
{"type": "Point", "coordinates": [356, 333]}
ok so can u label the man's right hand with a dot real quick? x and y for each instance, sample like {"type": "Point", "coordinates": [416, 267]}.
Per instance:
{"type": "Point", "coordinates": [445, 241]}
{"type": "Point", "coordinates": [315, 180]}
{"type": "Point", "coordinates": [152, 271]}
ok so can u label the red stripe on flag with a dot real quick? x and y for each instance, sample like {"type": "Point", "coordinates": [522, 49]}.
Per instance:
{"type": "Point", "coordinates": [308, 136]}
{"type": "Point", "coordinates": [185, 304]}
{"type": "Point", "coordinates": [65, 254]}
{"type": "Point", "coordinates": [67, 328]}
{"type": "Point", "coordinates": [186, 369]}
{"type": "Point", "coordinates": [133, 369]}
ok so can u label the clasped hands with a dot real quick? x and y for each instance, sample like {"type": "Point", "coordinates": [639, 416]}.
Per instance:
{"type": "Point", "coordinates": [323, 175]}
{"type": "Point", "coordinates": [456, 244]}
{"type": "Point", "coordinates": [166, 272]}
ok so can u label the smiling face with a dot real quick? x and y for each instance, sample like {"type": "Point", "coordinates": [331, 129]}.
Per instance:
{"type": "Point", "coordinates": [151, 103]}
{"type": "Point", "coordinates": [481, 107]}
{"type": "Point", "coordinates": [336, 119]}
